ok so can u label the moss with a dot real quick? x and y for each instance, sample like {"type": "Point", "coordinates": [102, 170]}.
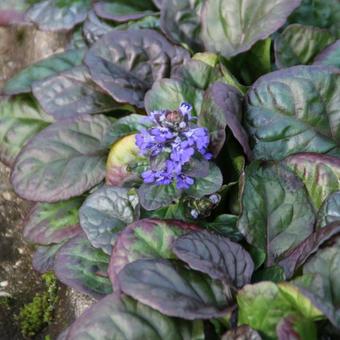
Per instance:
{"type": "Point", "coordinates": [34, 316]}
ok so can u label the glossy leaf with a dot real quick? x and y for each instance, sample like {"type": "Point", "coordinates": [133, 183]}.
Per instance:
{"type": "Point", "coordinates": [57, 15]}
{"type": "Point", "coordinates": [63, 161]}
{"type": "Point", "coordinates": [299, 44]}
{"type": "Point", "coordinates": [22, 81]}
{"type": "Point", "coordinates": [105, 213]}
{"type": "Point", "coordinates": [216, 256]}
{"type": "Point", "coordinates": [146, 238]}
{"type": "Point", "coordinates": [330, 210]}
{"type": "Point", "coordinates": [330, 56]}
{"type": "Point", "coordinates": [277, 214]}
{"type": "Point", "coordinates": [21, 118]}
{"type": "Point", "coordinates": [222, 107]}
{"type": "Point", "coordinates": [180, 21]}
{"type": "Point", "coordinates": [174, 290]}
{"type": "Point", "coordinates": [82, 267]}
{"type": "Point", "coordinates": [112, 68]}
{"type": "Point", "coordinates": [263, 305]}
{"type": "Point", "coordinates": [119, 315]}
{"type": "Point", "coordinates": [53, 222]}
{"type": "Point", "coordinates": [294, 110]}
{"type": "Point", "coordinates": [319, 173]}
{"type": "Point", "coordinates": [230, 27]}
{"type": "Point", "coordinates": [72, 93]}
{"type": "Point", "coordinates": [297, 256]}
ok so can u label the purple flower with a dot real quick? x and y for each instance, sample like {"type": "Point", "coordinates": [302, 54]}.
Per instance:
{"type": "Point", "coordinates": [184, 182]}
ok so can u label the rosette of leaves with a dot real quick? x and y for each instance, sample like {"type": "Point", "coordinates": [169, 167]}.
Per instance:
{"type": "Point", "coordinates": [260, 260]}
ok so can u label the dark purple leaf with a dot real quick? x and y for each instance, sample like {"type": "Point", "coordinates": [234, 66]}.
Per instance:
{"type": "Point", "coordinates": [222, 107]}
{"type": "Point", "coordinates": [297, 256]}
{"type": "Point", "coordinates": [64, 160]}
{"type": "Point", "coordinates": [82, 267]}
{"type": "Point", "coordinates": [174, 290]}
{"type": "Point", "coordinates": [126, 63]}
{"type": "Point", "coordinates": [146, 238]}
{"type": "Point", "coordinates": [216, 256]}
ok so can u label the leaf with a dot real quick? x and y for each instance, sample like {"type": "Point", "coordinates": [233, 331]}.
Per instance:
{"type": "Point", "coordinates": [125, 78]}
{"type": "Point", "coordinates": [82, 267]}
{"type": "Point", "coordinates": [43, 258]}
{"type": "Point", "coordinates": [22, 81]}
{"type": "Point", "coordinates": [320, 13]}
{"type": "Point", "coordinates": [206, 185]}
{"type": "Point", "coordinates": [222, 107]}
{"type": "Point", "coordinates": [105, 213]}
{"type": "Point", "coordinates": [72, 93]}
{"type": "Point", "coordinates": [230, 27]}
{"type": "Point", "coordinates": [263, 305]}
{"type": "Point", "coordinates": [277, 214]}
{"type": "Point", "coordinates": [57, 15]}
{"type": "Point", "coordinates": [20, 119]}
{"type": "Point", "coordinates": [121, 11]}
{"type": "Point", "coordinates": [64, 160]}
{"type": "Point", "coordinates": [180, 21]}
{"type": "Point", "coordinates": [216, 256]}
{"type": "Point", "coordinates": [329, 56]}
{"type": "Point", "coordinates": [174, 290]}
{"type": "Point", "coordinates": [330, 210]}
{"type": "Point", "coordinates": [274, 273]}
{"type": "Point", "coordinates": [294, 110]}
{"type": "Point", "coordinates": [94, 28]}
{"type": "Point", "coordinates": [299, 44]}
{"type": "Point", "coordinates": [319, 173]}
{"type": "Point", "coordinates": [53, 222]}
{"type": "Point", "coordinates": [242, 332]}
{"type": "Point", "coordinates": [153, 197]}
{"type": "Point", "coordinates": [146, 238]}
{"type": "Point", "coordinates": [292, 327]}
{"type": "Point", "coordinates": [297, 256]}
{"type": "Point", "coordinates": [119, 315]}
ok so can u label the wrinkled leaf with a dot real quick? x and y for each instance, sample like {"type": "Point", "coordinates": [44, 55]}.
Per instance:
{"type": "Point", "coordinates": [330, 210]}
{"type": "Point", "coordinates": [216, 256]}
{"type": "Point", "coordinates": [127, 73]}
{"type": "Point", "coordinates": [147, 238]}
{"type": "Point", "coordinates": [57, 15]}
{"type": "Point", "coordinates": [118, 316]}
{"type": "Point", "coordinates": [20, 119]}
{"type": "Point", "coordinates": [294, 110]}
{"type": "Point", "coordinates": [277, 214]}
{"type": "Point", "coordinates": [230, 27]}
{"type": "Point", "coordinates": [105, 213]}
{"type": "Point", "coordinates": [174, 290]}
{"type": "Point", "coordinates": [299, 44]}
{"type": "Point", "coordinates": [53, 222]}
{"type": "Point", "coordinates": [82, 267]}
{"type": "Point", "coordinates": [22, 81]}
{"type": "Point", "coordinates": [319, 173]}
{"type": "Point", "coordinates": [94, 28]}
{"type": "Point", "coordinates": [64, 160]}
{"type": "Point", "coordinates": [330, 56]}
{"type": "Point", "coordinates": [71, 93]}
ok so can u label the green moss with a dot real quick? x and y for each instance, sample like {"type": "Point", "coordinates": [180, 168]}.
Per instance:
{"type": "Point", "coordinates": [37, 314]}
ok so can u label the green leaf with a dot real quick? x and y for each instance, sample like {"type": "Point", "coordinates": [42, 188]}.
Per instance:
{"type": "Point", "coordinates": [174, 290]}
{"type": "Point", "coordinates": [146, 238]}
{"type": "Point", "coordinates": [20, 119]}
{"type": "Point", "coordinates": [22, 81]}
{"type": "Point", "coordinates": [330, 210]}
{"type": "Point", "coordinates": [53, 222]}
{"type": "Point", "coordinates": [294, 110]}
{"type": "Point", "coordinates": [105, 213]}
{"type": "Point", "coordinates": [299, 44]}
{"type": "Point", "coordinates": [232, 26]}
{"type": "Point", "coordinates": [319, 173]}
{"type": "Point", "coordinates": [64, 160]}
{"type": "Point", "coordinates": [277, 214]}
{"type": "Point", "coordinates": [263, 305]}
{"type": "Point", "coordinates": [82, 267]}
{"type": "Point", "coordinates": [119, 315]}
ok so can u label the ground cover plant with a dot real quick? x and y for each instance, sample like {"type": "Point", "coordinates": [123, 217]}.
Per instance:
{"type": "Point", "coordinates": [184, 161]}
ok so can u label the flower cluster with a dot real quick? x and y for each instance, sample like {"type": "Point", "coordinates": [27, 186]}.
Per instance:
{"type": "Point", "coordinates": [174, 140]}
